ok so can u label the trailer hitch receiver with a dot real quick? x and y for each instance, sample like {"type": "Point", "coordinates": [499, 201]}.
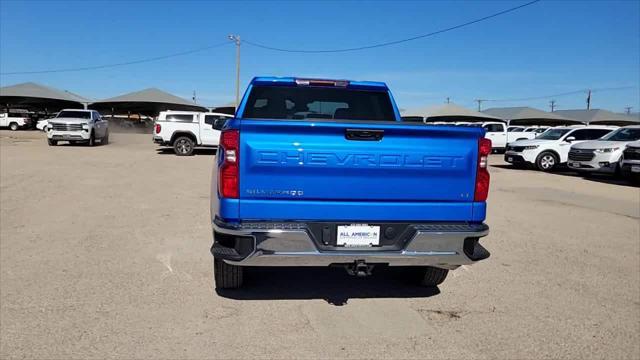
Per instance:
{"type": "Point", "coordinates": [359, 268]}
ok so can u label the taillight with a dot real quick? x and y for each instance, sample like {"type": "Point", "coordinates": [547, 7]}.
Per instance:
{"type": "Point", "coordinates": [158, 128]}
{"type": "Point", "coordinates": [228, 174]}
{"type": "Point", "coordinates": [482, 175]}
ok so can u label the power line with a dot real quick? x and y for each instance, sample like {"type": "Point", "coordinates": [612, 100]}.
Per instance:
{"type": "Point", "coordinates": [140, 61]}
{"type": "Point", "coordinates": [96, 67]}
{"type": "Point", "coordinates": [582, 91]}
{"type": "Point", "coordinates": [395, 41]}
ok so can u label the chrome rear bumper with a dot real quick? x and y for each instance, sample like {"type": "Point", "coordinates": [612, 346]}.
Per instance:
{"type": "Point", "coordinates": [291, 244]}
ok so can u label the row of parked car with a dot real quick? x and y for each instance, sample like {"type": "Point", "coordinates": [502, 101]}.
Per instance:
{"type": "Point", "coordinates": [499, 133]}
{"type": "Point", "coordinates": [590, 149]}
{"type": "Point", "coordinates": [584, 148]}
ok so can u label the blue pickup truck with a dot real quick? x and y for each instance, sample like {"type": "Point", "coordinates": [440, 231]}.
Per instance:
{"type": "Point", "coordinates": [323, 172]}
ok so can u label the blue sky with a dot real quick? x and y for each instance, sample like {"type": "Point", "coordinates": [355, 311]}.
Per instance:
{"type": "Point", "coordinates": [547, 48]}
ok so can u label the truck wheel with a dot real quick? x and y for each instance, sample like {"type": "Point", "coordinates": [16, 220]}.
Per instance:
{"type": "Point", "coordinates": [546, 161]}
{"type": "Point", "coordinates": [92, 139]}
{"type": "Point", "coordinates": [13, 126]}
{"type": "Point", "coordinates": [433, 276]}
{"type": "Point", "coordinates": [227, 276]}
{"type": "Point", "coordinates": [183, 146]}
{"type": "Point", "coordinates": [52, 142]}
{"type": "Point", "coordinates": [105, 139]}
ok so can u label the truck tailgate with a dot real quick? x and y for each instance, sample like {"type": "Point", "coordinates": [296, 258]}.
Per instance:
{"type": "Point", "coordinates": [326, 170]}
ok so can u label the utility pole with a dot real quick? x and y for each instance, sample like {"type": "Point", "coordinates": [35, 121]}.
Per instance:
{"type": "Point", "coordinates": [628, 109]}
{"type": "Point", "coordinates": [448, 100]}
{"type": "Point", "coordinates": [589, 100]}
{"type": "Point", "coordinates": [236, 39]}
{"type": "Point", "coordinates": [553, 105]}
{"type": "Point", "coordinates": [479, 101]}
{"type": "Point", "coordinates": [194, 97]}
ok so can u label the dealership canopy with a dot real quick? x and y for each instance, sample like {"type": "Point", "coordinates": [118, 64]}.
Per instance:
{"type": "Point", "coordinates": [39, 97]}
{"type": "Point", "coordinates": [598, 116]}
{"type": "Point", "coordinates": [530, 116]}
{"type": "Point", "coordinates": [449, 113]}
{"type": "Point", "coordinates": [148, 101]}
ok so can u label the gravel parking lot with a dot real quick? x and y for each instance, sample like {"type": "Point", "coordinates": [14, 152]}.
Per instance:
{"type": "Point", "coordinates": [104, 252]}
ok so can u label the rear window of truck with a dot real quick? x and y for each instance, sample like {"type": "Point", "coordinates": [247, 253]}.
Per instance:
{"type": "Point", "coordinates": [179, 118]}
{"type": "Point", "coordinates": [298, 102]}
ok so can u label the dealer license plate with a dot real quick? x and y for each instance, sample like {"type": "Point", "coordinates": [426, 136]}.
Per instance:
{"type": "Point", "coordinates": [574, 165]}
{"type": "Point", "coordinates": [635, 168]}
{"type": "Point", "coordinates": [358, 235]}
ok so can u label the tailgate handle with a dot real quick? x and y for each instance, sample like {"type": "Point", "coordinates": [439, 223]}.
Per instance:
{"type": "Point", "coordinates": [363, 134]}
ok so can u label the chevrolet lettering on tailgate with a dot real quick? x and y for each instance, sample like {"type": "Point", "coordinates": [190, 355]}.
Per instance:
{"type": "Point", "coordinates": [336, 159]}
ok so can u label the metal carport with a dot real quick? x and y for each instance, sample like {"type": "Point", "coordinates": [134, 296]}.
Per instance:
{"type": "Point", "coordinates": [147, 102]}
{"type": "Point", "coordinates": [600, 117]}
{"type": "Point", "coordinates": [449, 113]}
{"type": "Point", "coordinates": [529, 116]}
{"type": "Point", "coordinates": [34, 96]}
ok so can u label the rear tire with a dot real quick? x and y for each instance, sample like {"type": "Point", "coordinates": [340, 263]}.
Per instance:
{"type": "Point", "coordinates": [433, 276]}
{"type": "Point", "coordinates": [183, 146]}
{"type": "Point", "coordinates": [105, 139]}
{"type": "Point", "coordinates": [13, 126]}
{"type": "Point", "coordinates": [92, 139]}
{"type": "Point", "coordinates": [52, 142]}
{"type": "Point", "coordinates": [547, 161]}
{"type": "Point", "coordinates": [227, 276]}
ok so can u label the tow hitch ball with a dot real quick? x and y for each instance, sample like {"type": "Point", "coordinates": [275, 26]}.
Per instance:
{"type": "Point", "coordinates": [359, 268]}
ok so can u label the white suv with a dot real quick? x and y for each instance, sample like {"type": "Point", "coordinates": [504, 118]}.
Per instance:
{"type": "Point", "coordinates": [77, 126]}
{"type": "Point", "coordinates": [605, 154]}
{"type": "Point", "coordinates": [551, 148]}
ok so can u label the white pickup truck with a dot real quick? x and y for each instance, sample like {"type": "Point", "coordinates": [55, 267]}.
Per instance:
{"type": "Point", "coordinates": [14, 121]}
{"type": "Point", "coordinates": [77, 126]}
{"type": "Point", "coordinates": [500, 137]}
{"type": "Point", "coordinates": [186, 130]}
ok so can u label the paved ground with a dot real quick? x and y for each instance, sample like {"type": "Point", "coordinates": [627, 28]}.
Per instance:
{"type": "Point", "coordinates": [104, 252]}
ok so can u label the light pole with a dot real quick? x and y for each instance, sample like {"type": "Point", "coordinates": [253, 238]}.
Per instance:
{"type": "Point", "coordinates": [236, 39]}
